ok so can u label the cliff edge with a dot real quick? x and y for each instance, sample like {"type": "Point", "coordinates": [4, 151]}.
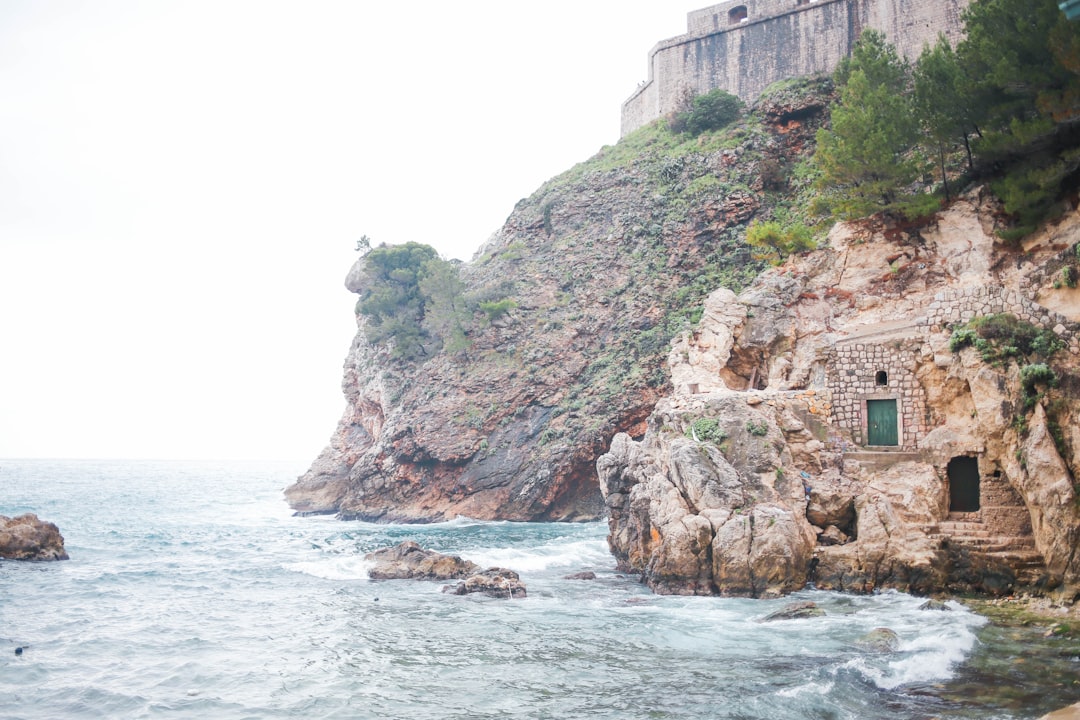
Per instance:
{"type": "Point", "coordinates": [594, 274]}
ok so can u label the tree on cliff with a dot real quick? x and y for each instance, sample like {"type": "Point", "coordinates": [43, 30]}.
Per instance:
{"type": "Point", "coordinates": [1021, 59]}
{"type": "Point", "coordinates": [413, 299]}
{"type": "Point", "coordinates": [943, 103]}
{"type": "Point", "coordinates": [863, 157]}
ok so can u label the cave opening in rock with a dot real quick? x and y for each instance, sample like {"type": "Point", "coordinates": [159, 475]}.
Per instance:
{"type": "Point", "coordinates": [963, 475]}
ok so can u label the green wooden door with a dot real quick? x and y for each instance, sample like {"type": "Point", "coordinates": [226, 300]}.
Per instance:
{"type": "Point", "coordinates": [881, 422]}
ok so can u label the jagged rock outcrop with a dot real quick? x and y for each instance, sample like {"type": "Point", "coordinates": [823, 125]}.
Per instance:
{"type": "Point", "coordinates": [493, 582]}
{"type": "Point", "coordinates": [408, 561]}
{"type": "Point", "coordinates": [852, 445]}
{"type": "Point", "coordinates": [605, 264]}
{"type": "Point", "coordinates": [25, 537]}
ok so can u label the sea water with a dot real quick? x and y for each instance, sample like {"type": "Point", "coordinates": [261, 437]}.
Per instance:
{"type": "Point", "coordinates": [193, 593]}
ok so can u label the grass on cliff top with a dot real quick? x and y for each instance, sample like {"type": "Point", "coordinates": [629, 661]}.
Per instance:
{"type": "Point", "coordinates": [655, 141]}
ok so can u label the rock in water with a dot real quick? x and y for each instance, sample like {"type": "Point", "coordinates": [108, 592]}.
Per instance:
{"type": "Point", "coordinates": [408, 560]}
{"type": "Point", "coordinates": [584, 575]}
{"type": "Point", "coordinates": [880, 640]}
{"type": "Point", "coordinates": [795, 611]}
{"type": "Point", "coordinates": [935, 605]}
{"type": "Point", "coordinates": [28, 538]}
{"type": "Point", "coordinates": [493, 582]}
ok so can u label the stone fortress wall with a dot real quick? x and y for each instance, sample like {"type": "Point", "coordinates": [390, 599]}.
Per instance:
{"type": "Point", "coordinates": [743, 46]}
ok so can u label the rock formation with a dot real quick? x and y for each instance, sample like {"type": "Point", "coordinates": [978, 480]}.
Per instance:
{"type": "Point", "coordinates": [768, 469]}
{"type": "Point", "coordinates": [409, 561]}
{"type": "Point", "coordinates": [493, 582]}
{"type": "Point", "coordinates": [606, 263]}
{"type": "Point", "coordinates": [27, 538]}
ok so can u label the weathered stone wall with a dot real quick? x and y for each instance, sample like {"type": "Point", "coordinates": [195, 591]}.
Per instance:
{"type": "Point", "coordinates": [853, 379]}
{"type": "Point", "coordinates": [779, 39]}
{"type": "Point", "coordinates": [961, 305]}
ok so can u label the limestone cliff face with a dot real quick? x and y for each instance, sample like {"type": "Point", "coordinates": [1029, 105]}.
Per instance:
{"type": "Point", "coordinates": [605, 264]}
{"type": "Point", "coordinates": [848, 445]}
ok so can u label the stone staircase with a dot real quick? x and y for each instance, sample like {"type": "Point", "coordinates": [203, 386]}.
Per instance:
{"type": "Point", "coordinates": [878, 460]}
{"type": "Point", "coordinates": [1017, 551]}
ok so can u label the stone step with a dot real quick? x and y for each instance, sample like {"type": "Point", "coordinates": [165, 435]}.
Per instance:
{"type": "Point", "coordinates": [964, 517]}
{"type": "Point", "coordinates": [1008, 546]}
{"type": "Point", "coordinates": [953, 526]}
{"type": "Point", "coordinates": [1026, 558]}
{"type": "Point", "coordinates": [881, 459]}
{"type": "Point", "coordinates": [994, 543]}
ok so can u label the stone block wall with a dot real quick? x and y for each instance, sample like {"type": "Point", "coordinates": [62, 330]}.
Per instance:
{"type": "Point", "coordinates": [951, 307]}
{"type": "Point", "coordinates": [778, 40]}
{"type": "Point", "coordinates": [853, 379]}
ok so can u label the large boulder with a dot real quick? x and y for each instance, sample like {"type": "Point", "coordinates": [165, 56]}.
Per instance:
{"type": "Point", "coordinates": [721, 514]}
{"type": "Point", "coordinates": [409, 561]}
{"type": "Point", "coordinates": [494, 582]}
{"type": "Point", "coordinates": [27, 538]}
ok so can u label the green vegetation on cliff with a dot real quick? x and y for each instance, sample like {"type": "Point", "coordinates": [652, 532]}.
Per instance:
{"type": "Point", "coordinates": [1003, 105]}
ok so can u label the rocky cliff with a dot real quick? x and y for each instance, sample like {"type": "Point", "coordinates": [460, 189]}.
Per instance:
{"type": "Point", "coordinates": [897, 409]}
{"type": "Point", "coordinates": [602, 267]}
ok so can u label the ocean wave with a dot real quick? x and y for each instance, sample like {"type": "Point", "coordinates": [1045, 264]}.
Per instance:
{"type": "Point", "coordinates": [339, 567]}
{"type": "Point", "coordinates": [572, 554]}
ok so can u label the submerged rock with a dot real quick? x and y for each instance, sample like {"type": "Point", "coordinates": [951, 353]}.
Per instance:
{"type": "Point", "coordinates": [27, 538]}
{"type": "Point", "coordinates": [585, 575]}
{"type": "Point", "coordinates": [935, 605]}
{"type": "Point", "coordinates": [879, 640]}
{"type": "Point", "coordinates": [494, 582]}
{"type": "Point", "coordinates": [408, 560]}
{"type": "Point", "coordinates": [795, 611]}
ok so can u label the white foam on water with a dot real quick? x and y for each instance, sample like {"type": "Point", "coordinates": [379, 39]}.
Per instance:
{"type": "Point", "coordinates": [810, 688]}
{"type": "Point", "coordinates": [339, 567]}
{"type": "Point", "coordinates": [572, 554]}
{"type": "Point", "coordinates": [929, 651]}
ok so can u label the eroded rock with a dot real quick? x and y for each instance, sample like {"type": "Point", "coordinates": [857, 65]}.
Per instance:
{"type": "Point", "coordinates": [27, 538]}
{"type": "Point", "coordinates": [880, 640]}
{"type": "Point", "coordinates": [408, 560]}
{"type": "Point", "coordinates": [494, 582]}
{"type": "Point", "coordinates": [795, 611]}
{"type": "Point", "coordinates": [770, 463]}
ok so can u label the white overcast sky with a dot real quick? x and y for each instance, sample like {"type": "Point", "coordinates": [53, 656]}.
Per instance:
{"type": "Point", "coordinates": [182, 183]}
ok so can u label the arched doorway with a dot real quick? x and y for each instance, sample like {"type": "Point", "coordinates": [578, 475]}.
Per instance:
{"type": "Point", "coordinates": [963, 484]}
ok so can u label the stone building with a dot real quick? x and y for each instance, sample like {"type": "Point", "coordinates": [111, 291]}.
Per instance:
{"type": "Point", "coordinates": [743, 46]}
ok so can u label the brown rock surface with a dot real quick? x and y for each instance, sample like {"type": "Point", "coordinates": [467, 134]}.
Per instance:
{"type": "Point", "coordinates": [796, 358]}
{"type": "Point", "coordinates": [604, 262]}
{"type": "Point", "coordinates": [493, 582]}
{"type": "Point", "coordinates": [408, 560]}
{"type": "Point", "coordinates": [27, 538]}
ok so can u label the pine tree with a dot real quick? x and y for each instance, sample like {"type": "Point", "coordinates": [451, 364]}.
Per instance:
{"type": "Point", "coordinates": [864, 157]}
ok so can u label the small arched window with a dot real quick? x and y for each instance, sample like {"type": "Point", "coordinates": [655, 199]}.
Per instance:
{"type": "Point", "coordinates": [882, 378]}
{"type": "Point", "coordinates": [737, 15]}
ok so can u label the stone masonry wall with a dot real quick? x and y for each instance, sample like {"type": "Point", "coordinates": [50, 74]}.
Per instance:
{"type": "Point", "coordinates": [779, 39]}
{"type": "Point", "coordinates": [959, 306]}
{"type": "Point", "coordinates": [853, 379]}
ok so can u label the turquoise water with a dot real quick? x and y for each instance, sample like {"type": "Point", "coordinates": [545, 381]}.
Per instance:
{"type": "Point", "coordinates": [192, 593]}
